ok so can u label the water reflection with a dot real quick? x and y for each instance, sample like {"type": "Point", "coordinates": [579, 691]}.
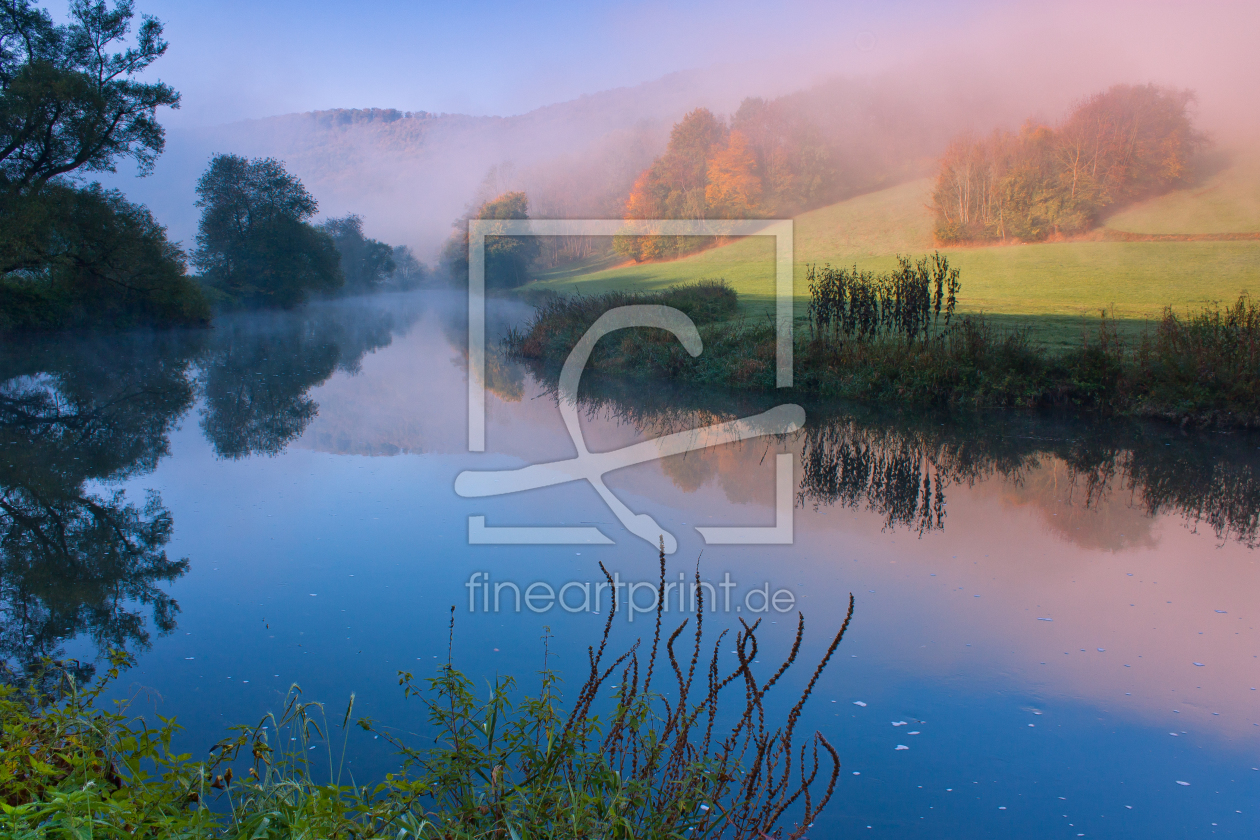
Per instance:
{"type": "Point", "coordinates": [78, 557]}
{"type": "Point", "coordinates": [901, 465]}
{"type": "Point", "coordinates": [903, 469]}
{"type": "Point", "coordinates": [892, 474]}
{"type": "Point", "coordinates": [257, 371]}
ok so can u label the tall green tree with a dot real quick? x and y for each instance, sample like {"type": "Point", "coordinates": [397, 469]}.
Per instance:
{"type": "Point", "coordinates": [508, 258]}
{"type": "Point", "coordinates": [367, 263]}
{"type": "Point", "coordinates": [73, 256]}
{"type": "Point", "coordinates": [674, 187]}
{"type": "Point", "coordinates": [255, 244]}
{"type": "Point", "coordinates": [67, 104]}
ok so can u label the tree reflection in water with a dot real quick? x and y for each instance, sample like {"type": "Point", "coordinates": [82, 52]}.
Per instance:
{"type": "Point", "coordinates": [78, 558]}
{"type": "Point", "coordinates": [257, 372]}
{"type": "Point", "coordinates": [901, 465]}
{"type": "Point", "coordinates": [75, 557]}
{"type": "Point", "coordinates": [901, 468]}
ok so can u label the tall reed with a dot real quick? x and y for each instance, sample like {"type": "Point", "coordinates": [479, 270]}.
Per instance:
{"type": "Point", "coordinates": [862, 305]}
{"type": "Point", "coordinates": [650, 755]}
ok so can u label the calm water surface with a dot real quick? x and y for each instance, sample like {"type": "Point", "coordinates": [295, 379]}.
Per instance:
{"type": "Point", "coordinates": [1061, 613]}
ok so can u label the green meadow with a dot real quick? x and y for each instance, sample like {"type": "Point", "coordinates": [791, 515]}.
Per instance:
{"type": "Point", "coordinates": [1227, 201]}
{"type": "Point", "coordinates": [1055, 290]}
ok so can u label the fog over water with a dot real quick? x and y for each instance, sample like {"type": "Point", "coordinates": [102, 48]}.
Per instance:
{"type": "Point", "coordinates": [1056, 622]}
{"type": "Point", "coordinates": [1061, 612]}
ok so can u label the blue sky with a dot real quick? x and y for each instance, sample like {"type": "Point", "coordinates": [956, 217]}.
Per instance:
{"type": "Point", "coordinates": [234, 59]}
{"type": "Point", "coordinates": [237, 59]}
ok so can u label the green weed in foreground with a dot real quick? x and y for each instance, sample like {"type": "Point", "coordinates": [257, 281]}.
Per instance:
{"type": "Point", "coordinates": [656, 764]}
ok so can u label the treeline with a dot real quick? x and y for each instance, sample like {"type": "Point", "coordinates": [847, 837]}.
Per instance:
{"type": "Point", "coordinates": [780, 157]}
{"type": "Point", "coordinates": [767, 162]}
{"type": "Point", "coordinates": [777, 158]}
{"type": "Point", "coordinates": [257, 247]}
{"type": "Point", "coordinates": [1129, 143]}
{"type": "Point", "coordinates": [73, 254]}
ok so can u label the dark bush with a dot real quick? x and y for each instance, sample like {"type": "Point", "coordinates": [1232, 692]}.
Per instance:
{"type": "Point", "coordinates": [89, 258]}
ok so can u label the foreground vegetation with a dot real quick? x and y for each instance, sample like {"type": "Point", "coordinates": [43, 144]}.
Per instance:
{"type": "Point", "coordinates": [660, 763]}
{"type": "Point", "coordinates": [859, 343]}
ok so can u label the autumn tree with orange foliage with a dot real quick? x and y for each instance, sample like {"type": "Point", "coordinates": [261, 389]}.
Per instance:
{"type": "Point", "coordinates": [707, 172]}
{"type": "Point", "coordinates": [1129, 143]}
{"type": "Point", "coordinates": [790, 155]}
{"type": "Point", "coordinates": [771, 162]}
{"type": "Point", "coordinates": [674, 186]}
{"type": "Point", "coordinates": [733, 190]}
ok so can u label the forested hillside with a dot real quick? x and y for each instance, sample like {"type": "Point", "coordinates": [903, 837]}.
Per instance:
{"type": "Point", "coordinates": [410, 173]}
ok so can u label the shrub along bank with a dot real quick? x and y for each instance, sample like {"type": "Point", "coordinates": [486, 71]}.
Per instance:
{"type": "Point", "coordinates": [894, 338]}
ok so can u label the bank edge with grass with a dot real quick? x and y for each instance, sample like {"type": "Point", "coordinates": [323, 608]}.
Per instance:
{"type": "Point", "coordinates": [642, 751]}
{"type": "Point", "coordinates": [895, 338]}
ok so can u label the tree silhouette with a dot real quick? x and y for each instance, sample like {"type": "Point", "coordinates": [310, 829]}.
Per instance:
{"type": "Point", "coordinates": [75, 560]}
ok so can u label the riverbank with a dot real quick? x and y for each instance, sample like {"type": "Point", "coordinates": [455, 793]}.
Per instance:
{"type": "Point", "coordinates": [631, 759]}
{"type": "Point", "coordinates": [1153, 254]}
{"type": "Point", "coordinates": [1200, 369]}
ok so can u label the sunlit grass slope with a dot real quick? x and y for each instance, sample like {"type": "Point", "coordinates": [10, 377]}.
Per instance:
{"type": "Point", "coordinates": [1226, 202]}
{"type": "Point", "coordinates": [1054, 289]}
{"type": "Point", "coordinates": [869, 226]}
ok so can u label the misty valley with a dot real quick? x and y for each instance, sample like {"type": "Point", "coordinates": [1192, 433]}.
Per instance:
{"type": "Point", "coordinates": [845, 423]}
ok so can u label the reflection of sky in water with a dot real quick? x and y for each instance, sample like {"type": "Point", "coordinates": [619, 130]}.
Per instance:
{"type": "Point", "coordinates": [335, 563]}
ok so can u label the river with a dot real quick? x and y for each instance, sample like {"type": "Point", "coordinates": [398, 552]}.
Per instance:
{"type": "Point", "coordinates": [1054, 632]}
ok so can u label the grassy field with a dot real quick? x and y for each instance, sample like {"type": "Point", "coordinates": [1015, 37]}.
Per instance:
{"type": "Point", "coordinates": [1053, 289]}
{"type": "Point", "coordinates": [1226, 202]}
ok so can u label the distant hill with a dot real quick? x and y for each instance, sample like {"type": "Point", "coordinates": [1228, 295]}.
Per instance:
{"type": "Point", "coordinates": [410, 174]}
